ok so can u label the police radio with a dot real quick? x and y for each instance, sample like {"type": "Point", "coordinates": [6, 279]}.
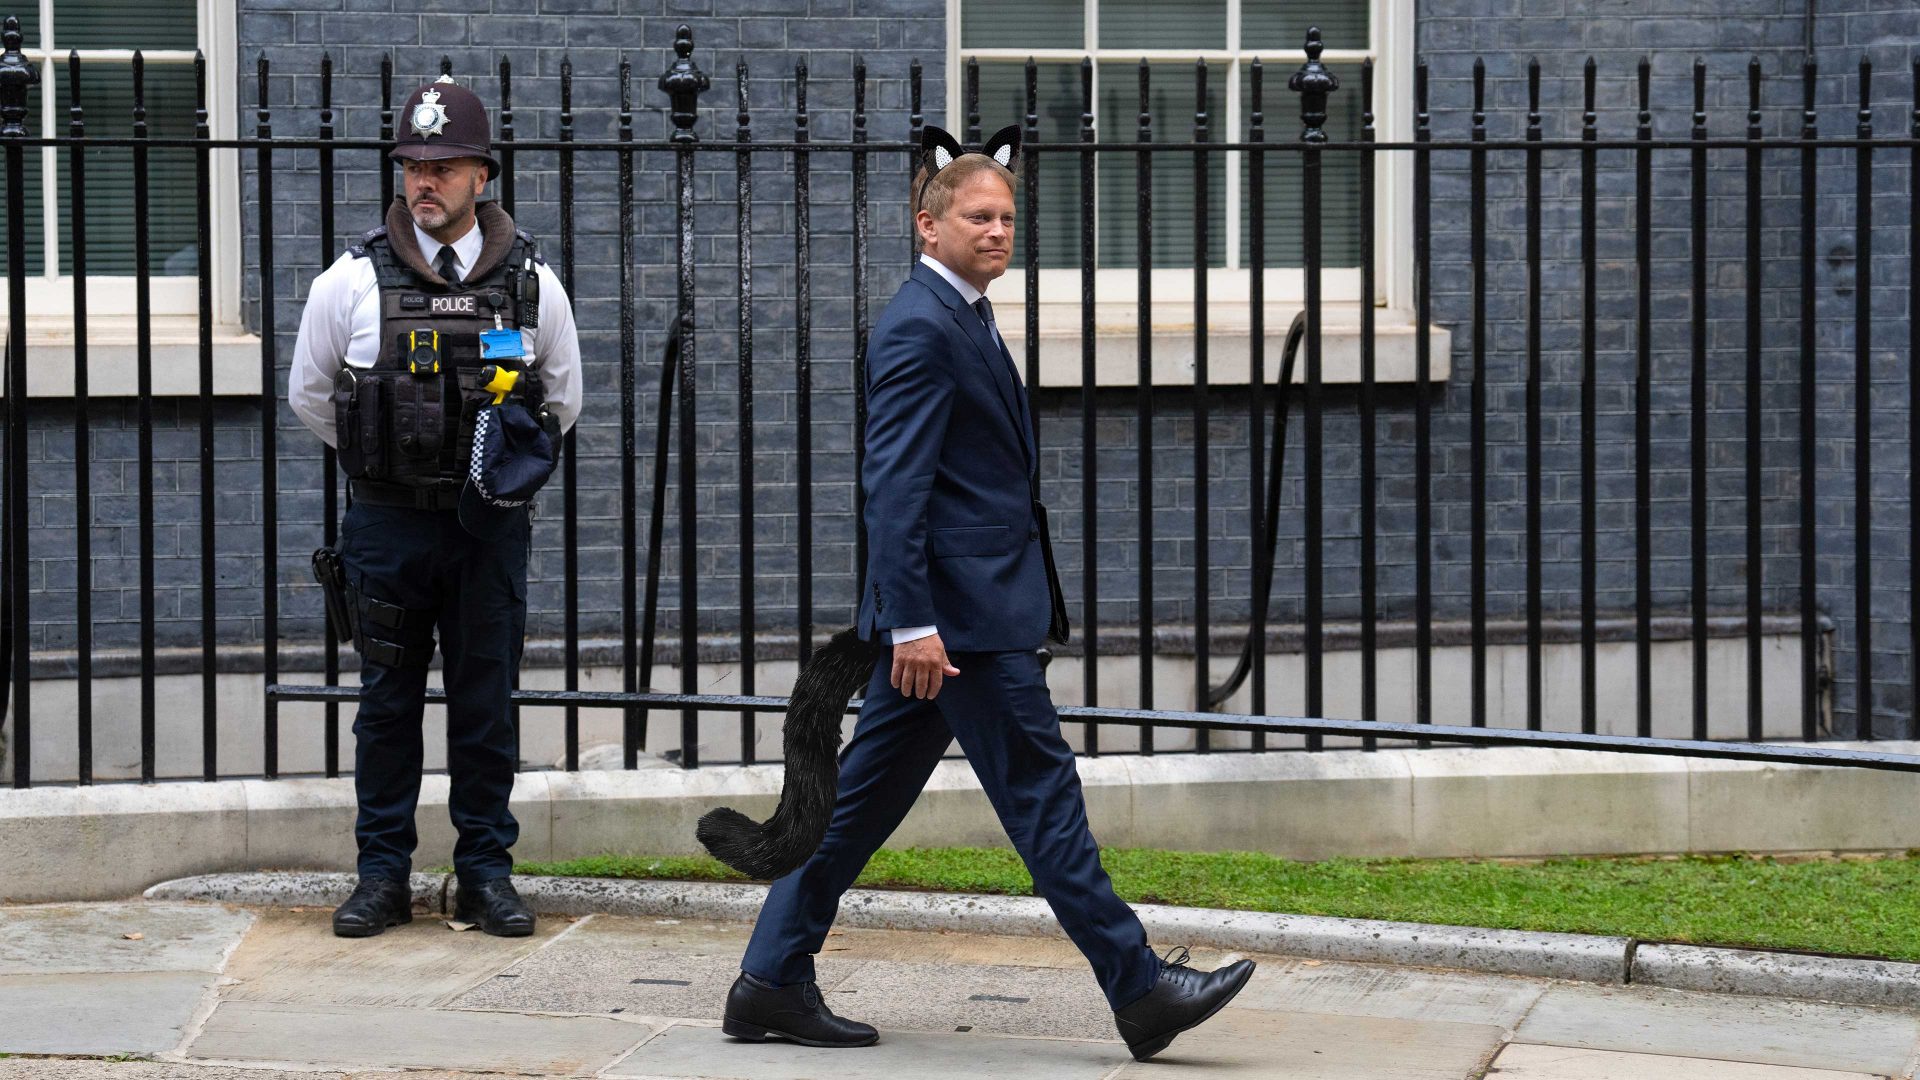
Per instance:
{"type": "Point", "coordinates": [529, 289]}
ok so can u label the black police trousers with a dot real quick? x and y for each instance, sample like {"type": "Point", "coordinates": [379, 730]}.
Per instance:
{"type": "Point", "coordinates": [475, 593]}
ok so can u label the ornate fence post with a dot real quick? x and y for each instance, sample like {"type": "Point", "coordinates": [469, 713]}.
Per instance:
{"type": "Point", "coordinates": [1313, 83]}
{"type": "Point", "coordinates": [17, 77]}
{"type": "Point", "coordinates": [683, 82]}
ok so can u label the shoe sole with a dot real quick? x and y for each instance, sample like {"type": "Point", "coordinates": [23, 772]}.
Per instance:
{"type": "Point", "coordinates": [369, 931]}
{"type": "Point", "coordinates": [1147, 1049]}
{"type": "Point", "coordinates": [740, 1029]}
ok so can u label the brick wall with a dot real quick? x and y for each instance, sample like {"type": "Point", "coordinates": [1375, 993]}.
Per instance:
{"type": "Point", "coordinates": [772, 34]}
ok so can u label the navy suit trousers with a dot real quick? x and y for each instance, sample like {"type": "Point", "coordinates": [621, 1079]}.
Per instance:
{"type": "Point", "coordinates": [476, 592]}
{"type": "Point", "coordinates": [999, 709]}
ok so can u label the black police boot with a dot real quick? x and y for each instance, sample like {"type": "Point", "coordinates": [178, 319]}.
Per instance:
{"type": "Point", "coordinates": [757, 1009]}
{"type": "Point", "coordinates": [495, 907]}
{"type": "Point", "coordinates": [1181, 998]}
{"type": "Point", "coordinates": [376, 904]}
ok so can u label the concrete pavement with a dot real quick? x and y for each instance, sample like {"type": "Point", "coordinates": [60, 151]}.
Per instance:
{"type": "Point", "coordinates": [227, 993]}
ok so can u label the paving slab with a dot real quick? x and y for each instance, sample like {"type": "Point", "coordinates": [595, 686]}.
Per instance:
{"type": "Point", "coordinates": [1317, 1046]}
{"type": "Point", "coordinates": [77, 939]}
{"type": "Point", "coordinates": [689, 1050]}
{"type": "Point", "coordinates": [62, 1068]}
{"type": "Point", "coordinates": [955, 947]}
{"type": "Point", "coordinates": [1547, 955]}
{"type": "Point", "coordinates": [996, 999]}
{"type": "Point", "coordinates": [1521, 1061]}
{"type": "Point", "coordinates": [292, 957]}
{"type": "Point", "coordinates": [1326, 986]}
{"type": "Point", "coordinates": [388, 1038]}
{"type": "Point", "coordinates": [81, 1069]}
{"type": "Point", "coordinates": [634, 966]}
{"type": "Point", "coordinates": [1736, 1027]}
{"type": "Point", "coordinates": [139, 1013]}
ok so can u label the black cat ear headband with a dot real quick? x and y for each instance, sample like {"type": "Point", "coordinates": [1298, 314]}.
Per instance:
{"type": "Point", "coordinates": [939, 150]}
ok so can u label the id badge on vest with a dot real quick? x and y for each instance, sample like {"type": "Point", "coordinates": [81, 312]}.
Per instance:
{"type": "Point", "coordinates": [501, 345]}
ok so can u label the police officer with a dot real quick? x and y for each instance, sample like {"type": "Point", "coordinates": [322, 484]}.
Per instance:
{"type": "Point", "coordinates": [416, 331]}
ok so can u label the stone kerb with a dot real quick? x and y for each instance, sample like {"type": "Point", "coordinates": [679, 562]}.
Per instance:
{"type": "Point", "coordinates": [114, 840]}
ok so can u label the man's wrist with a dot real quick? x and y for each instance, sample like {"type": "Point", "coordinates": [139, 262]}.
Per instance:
{"type": "Point", "coordinates": [903, 634]}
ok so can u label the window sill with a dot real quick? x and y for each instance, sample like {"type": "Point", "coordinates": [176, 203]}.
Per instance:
{"type": "Point", "coordinates": [112, 356]}
{"type": "Point", "coordinates": [1229, 343]}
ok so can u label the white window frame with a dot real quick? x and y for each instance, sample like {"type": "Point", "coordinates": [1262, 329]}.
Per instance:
{"type": "Point", "coordinates": [1391, 46]}
{"type": "Point", "coordinates": [111, 300]}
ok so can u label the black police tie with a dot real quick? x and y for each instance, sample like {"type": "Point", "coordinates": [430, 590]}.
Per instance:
{"type": "Point", "coordinates": [447, 265]}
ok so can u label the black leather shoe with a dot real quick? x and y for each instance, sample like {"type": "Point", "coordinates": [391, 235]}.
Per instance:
{"type": "Point", "coordinates": [495, 907]}
{"type": "Point", "coordinates": [376, 904]}
{"type": "Point", "coordinates": [1181, 998]}
{"type": "Point", "coordinates": [796, 1013]}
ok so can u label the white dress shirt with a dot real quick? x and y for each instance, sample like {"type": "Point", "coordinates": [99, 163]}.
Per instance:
{"type": "Point", "coordinates": [341, 325]}
{"type": "Point", "coordinates": [971, 295]}
{"type": "Point", "coordinates": [967, 292]}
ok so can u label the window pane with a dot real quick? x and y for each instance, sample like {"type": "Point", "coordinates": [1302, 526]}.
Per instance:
{"type": "Point", "coordinates": [106, 90]}
{"type": "Point", "coordinates": [1171, 98]}
{"type": "Point", "coordinates": [1157, 24]}
{"type": "Point", "coordinates": [1282, 24]}
{"type": "Point", "coordinates": [1339, 172]}
{"type": "Point", "coordinates": [1022, 24]}
{"type": "Point", "coordinates": [126, 24]}
{"type": "Point", "coordinates": [30, 216]}
{"type": "Point", "coordinates": [1003, 101]}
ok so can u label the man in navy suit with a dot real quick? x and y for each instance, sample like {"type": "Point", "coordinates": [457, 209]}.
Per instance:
{"type": "Point", "coordinates": [962, 586]}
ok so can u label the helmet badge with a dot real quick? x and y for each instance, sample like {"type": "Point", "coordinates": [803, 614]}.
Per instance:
{"type": "Point", "coordinates": [430, 117]}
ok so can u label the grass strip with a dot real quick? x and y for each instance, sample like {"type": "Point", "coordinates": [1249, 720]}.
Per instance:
{"type": "Point", "coordinates": [1853, 906]}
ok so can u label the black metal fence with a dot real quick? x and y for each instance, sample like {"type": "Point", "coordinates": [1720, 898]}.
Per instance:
{"type": "Point", "coordinates": [1268, 412]}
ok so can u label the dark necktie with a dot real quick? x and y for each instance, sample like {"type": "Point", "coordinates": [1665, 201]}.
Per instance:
{"type": "Point", "coordinates": [447, 265]}
{"type": "Point", "coordinates": [985, 308]}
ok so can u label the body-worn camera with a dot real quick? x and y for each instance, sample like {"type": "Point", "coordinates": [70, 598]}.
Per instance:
{"type": "Point", "coordinates": [422, 350]}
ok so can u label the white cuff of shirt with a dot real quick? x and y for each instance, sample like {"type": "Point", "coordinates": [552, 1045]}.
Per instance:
{"type": "Point", "coordinates": [902, 635]}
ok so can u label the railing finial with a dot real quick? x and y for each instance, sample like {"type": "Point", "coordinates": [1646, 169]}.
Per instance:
{"type": "Point", "coordinates": [16, 77]}
{"type": "Point", "coordinates": [1313, 82]}
{"type": "Point", "coordinates": [684, 82]}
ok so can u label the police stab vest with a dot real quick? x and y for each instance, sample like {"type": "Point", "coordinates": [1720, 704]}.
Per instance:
{"type": "Point", "coordinates": [408, 420]}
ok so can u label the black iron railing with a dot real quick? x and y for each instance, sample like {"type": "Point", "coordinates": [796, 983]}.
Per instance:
{"type": "Point", "coordinates": [674, 462]}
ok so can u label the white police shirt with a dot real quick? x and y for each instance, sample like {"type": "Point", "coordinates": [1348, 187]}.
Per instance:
{"type": "Point", "coordinates": [341, 325]}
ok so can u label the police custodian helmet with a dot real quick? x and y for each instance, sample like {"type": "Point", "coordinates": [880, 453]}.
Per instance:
{"type": "Point", "coordinates": [445, 120]}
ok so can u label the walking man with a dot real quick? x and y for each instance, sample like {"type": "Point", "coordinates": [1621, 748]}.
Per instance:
{"type": "Point", "coordinates": [962, 586]}
{"type": "Point", "coordinates": [438, 332]}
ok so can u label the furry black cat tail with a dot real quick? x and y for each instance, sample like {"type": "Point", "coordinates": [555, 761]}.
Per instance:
{"type": "Point", "coordinates": [839, 670]}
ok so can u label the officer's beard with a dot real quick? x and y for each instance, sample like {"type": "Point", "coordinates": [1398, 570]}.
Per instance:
{"type": "Point", "coordinates": [439, 211]}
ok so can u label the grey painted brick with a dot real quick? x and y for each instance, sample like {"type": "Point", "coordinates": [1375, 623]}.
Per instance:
{"type": "Point", "coordinates": [775, 33]}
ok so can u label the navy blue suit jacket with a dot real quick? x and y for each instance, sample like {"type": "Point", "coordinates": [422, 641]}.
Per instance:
{"type": "Point", "coordinates": [956, 537]}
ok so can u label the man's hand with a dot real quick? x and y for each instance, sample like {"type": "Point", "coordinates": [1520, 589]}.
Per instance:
{"type": "Point", "coordinates": [920, 665]}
